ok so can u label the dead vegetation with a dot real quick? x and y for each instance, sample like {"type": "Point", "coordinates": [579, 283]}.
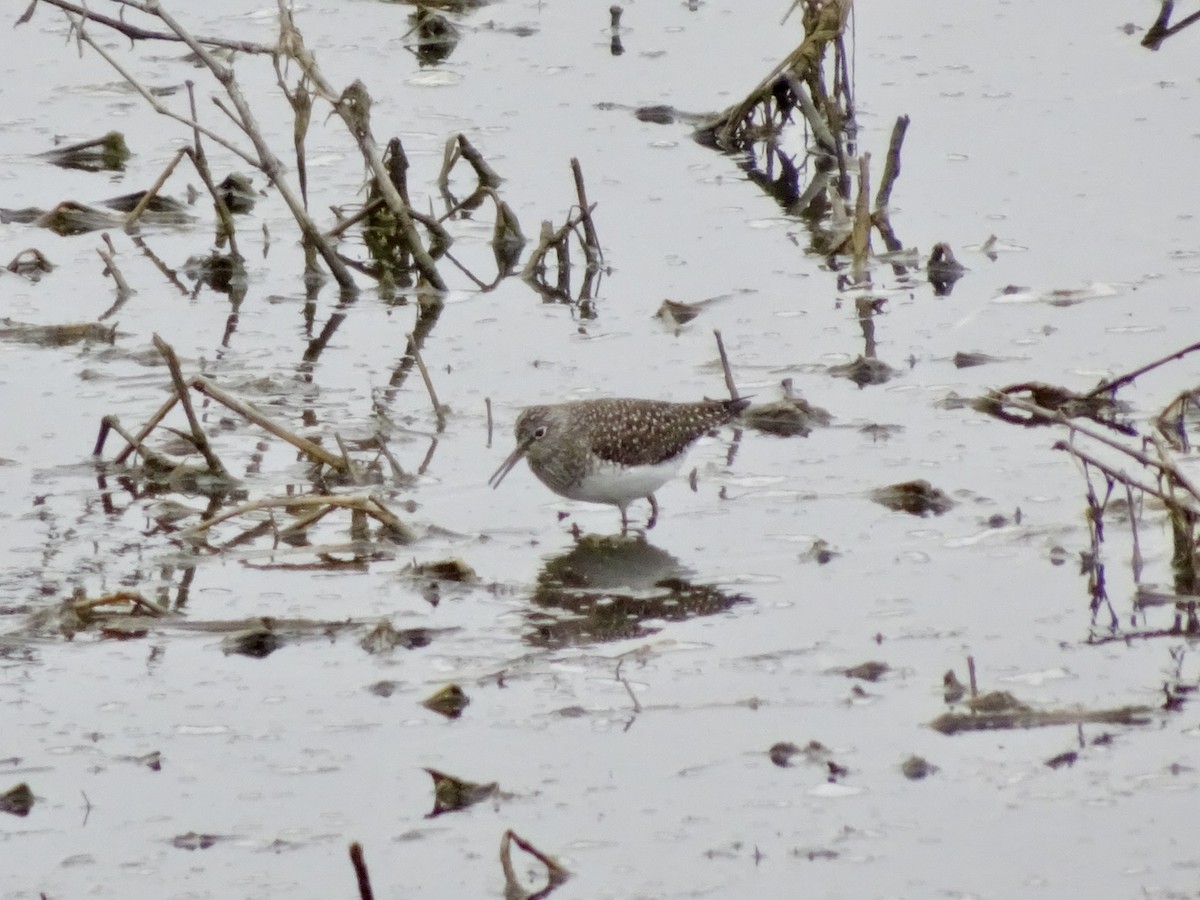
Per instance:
{"type": "Point", "coordinates": [1129, 469]}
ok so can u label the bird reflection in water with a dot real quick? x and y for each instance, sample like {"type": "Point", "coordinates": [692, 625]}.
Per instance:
{"type": "Point", "coordinates": [606, 588]}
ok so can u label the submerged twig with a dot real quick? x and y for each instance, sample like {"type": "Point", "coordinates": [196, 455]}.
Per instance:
{"type": "Point", "coordinates": [198, 438]}
{"type": "Point", "coordinates": [438, 410]}
{"type": "Point", "coordinates": [361, 875]}
{"type": "Point", "coordinates": [729, 383]}
{"type": "Point", "coordinates": [310, 449]}
{"type": "Point", "coordinates": [1113, 384]}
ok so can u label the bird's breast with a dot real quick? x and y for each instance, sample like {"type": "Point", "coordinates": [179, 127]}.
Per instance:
{"type": "Point", "coordinates": [607, 482]}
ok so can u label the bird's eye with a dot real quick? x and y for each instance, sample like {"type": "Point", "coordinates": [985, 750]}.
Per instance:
{"type": "Point", "coordinates": [540, 431]}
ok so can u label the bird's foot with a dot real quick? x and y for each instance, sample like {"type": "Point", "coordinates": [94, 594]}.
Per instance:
{"type": "Point", "coordinates": [653, 512]}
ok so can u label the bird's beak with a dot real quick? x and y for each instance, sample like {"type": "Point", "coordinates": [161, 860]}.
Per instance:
{"type": "Point", "coordinates": [507, 465]}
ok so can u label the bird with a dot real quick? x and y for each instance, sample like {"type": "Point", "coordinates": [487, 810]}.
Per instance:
{"type": "Point", "coordinates": [612, 450]}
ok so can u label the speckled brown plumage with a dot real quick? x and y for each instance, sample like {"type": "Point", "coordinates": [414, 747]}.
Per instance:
{"type": "Point", "coordinates": [612, 450]}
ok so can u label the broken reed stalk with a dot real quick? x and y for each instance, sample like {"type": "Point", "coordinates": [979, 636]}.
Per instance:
{"type": "Point", "coordinates": [821, 131]}
{"type": "Point", "coordinates": [1058, 418]}
{"type": "Point", "coordinates": [397, 470]}
{"type": "Point", "coordinates": [591, 243]}
{"type": "Point", "coordinates": [351, 470]}
{"type": "Point", "coordinates": [107, 255]}
{"type": "Point", "coordinates": [148, 196]}
{"type": "Point", "coordinates": [438, 410]}
{"type": "Point", "coordinates": [826, 25]}
{"type": "Point", "coordinates": [366, 504]}
{"type": "Point", "coordinates": [555, 873]}
{"type": "Point", "coordinates": [891, 166]}
{"type": "Point", "coordinates": [1115, 383]}
{"type": "Point", "coordinates": [487, 403]}
{"type": "Point", "coordinates": [135, 444]}
{"type": "Point", "coordinates": [199, 438]}
{"type": "Point", "coordinates": [551, 239]}
{"type": "Point", "coordinates": [361, 875]}
{"type": "Point", "coordinates": [77, 24]}
{"type": "Point", "coordinates": [137, 33]}
{"type": "Point", "coordinates": [485, 173]}
{"type": "Point", "coordinates": [1122, 478]}
{"type": "Point", "coordinates": [1136, 562]}
{"type": "Point", "coordinates": [263, 159]}
{"type": "Point", "coordinates": [861, 236]}
{"type": "Point", "coordinates": [314, 451]}
{"type": "Point", "coordinates": [132, 444]}
{"type": "Point", "coordinates": [301, 102]}
{"type": "Point", "coordinates": [353, 105]}
{"type": "Point", "coordinates": [200, 162]}
{"type": "Point", "coordinates": [733, 391]}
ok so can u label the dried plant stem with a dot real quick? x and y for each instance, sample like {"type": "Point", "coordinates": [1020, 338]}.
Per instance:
{"type": "Point", "coordinates": [438, 411]}
{"type": "Point", "coordinates": [136, 212]}
{"type": "Point", "coordinates": [263, 158]}
{"type": "Point", "coordinates": [369, 505]}
{"type": "Point", "coordinates": [199, 438]}
{"type": "Point", "coordinates": [459, 146]}
{"type": "Point", "coordinates": [136, 33]}
{"type": "Point", "coordinates": [314, 451]}
{"type": "Point", "coordinates": [77, 23]}
{"type": "Point", "coordinates": [132, 444]}
{"type": "Point", "coordinates": [353, 106]}
{"type": "Point", "coordinates": [361, 874]}
{"type": "Point", "coordinates": [1112, 384]}
{"type": "Point", "coordinates": [861, 235]}
{"type": "Point", "coordinates": [109, 258]}
{"type": "Point", "coordinates": [591, 244]}
{"type": "Point", "coordinates": [555, 873]}
{"type": "Point", "coordinates": [729, 383]}
{"type": "Point", "coordinates": [891, 166]}
{"type": "Point", "coordinates": [821, 131]}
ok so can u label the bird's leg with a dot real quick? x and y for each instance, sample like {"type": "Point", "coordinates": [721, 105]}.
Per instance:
{"type": "Point", "coordinates": [653, 512]}
{"type": "Point", "coordinates": [624, 521]}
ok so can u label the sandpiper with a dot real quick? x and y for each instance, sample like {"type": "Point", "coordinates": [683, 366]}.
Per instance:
{"type": "Point", "coordinates": [612, 450]}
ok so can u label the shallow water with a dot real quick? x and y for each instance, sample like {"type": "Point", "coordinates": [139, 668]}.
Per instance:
{"type": "Point", "coordinates": [1055, 132]}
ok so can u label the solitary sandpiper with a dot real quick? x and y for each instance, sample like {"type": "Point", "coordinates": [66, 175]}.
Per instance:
{"type": "Point", "coordinates": [612, 450]}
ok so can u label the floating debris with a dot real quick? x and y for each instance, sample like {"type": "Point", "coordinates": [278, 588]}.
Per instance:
{"type": "Point", "coordinates": [258, 642]}
{"type": "Point", "coordinates": [436, 36]}
{"type": "Point", "coordinates": [917, 767]}
{"type": "Point", "coordinates": [194, 841]}
{"type": "Point", "coordinates": [17, 801]}
{"type": "Point", "coordinates": [790, 417]}
{"type": "Point", "coordinates": [953, 690]}
{"type": "Point", "coordinates": [943, 269]}
{"type": "Point", "coordinates": [108, 153]}
{"type": "Point", "coordinates": [385, 637]}
{"type": "Point", "coordinates": [918, 498]}
{"type": "Point", "coordinates": [57, 335]}
{"type": "Point", "coordinates": [970, 360]}
{"type": "Point", "coordinates": [868, 671]}
{"type": "Point", "coordinates": [454, 569]}
{"type": "Point", "coordinates": [237, 193]}
{"type": "Point", "coordinates": [70, 218]}
{"type": "Point", "coordinates": [450, 793]}
{"type": "Point", "coordinates": [864, 371]}
{"type": "Point", "coordinates": [450, 701]}
{"type": "Point", "coordinates": [820, 552]}
{"type": "Point", "coordinates": [31, 264]}
{"type": "Point", "coordinates": [1024, 717]}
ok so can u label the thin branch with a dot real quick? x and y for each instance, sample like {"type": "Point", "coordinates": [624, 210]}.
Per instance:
{"type": "Point", "coordinates": [1112, 385]}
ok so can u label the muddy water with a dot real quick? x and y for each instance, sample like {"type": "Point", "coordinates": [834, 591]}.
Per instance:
{"type": "Point", "coordinates": [1057, 133]}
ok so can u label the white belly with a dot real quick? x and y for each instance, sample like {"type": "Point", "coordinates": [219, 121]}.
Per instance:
{"type": "Point", "coordinates": [619, 486]}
